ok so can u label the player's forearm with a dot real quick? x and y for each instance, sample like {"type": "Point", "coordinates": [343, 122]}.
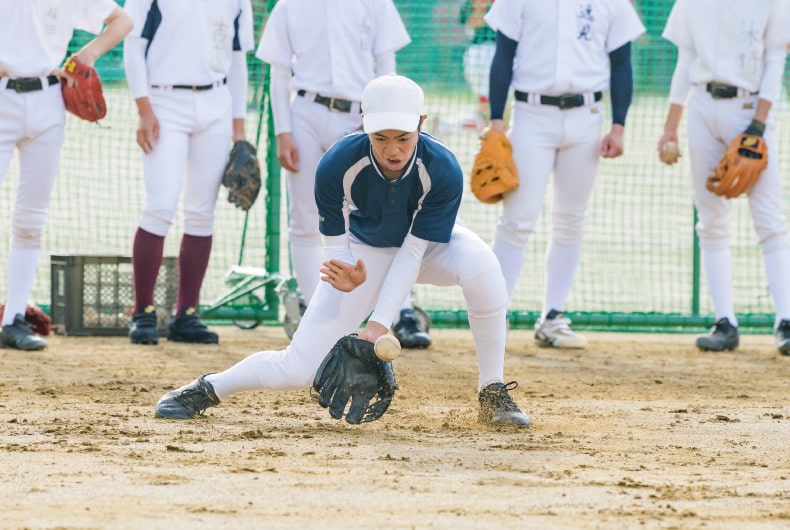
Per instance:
{"type": "Point", "coordinates": [674, 115]}
{"type": "Point", "coordinates": [135, 67]}
{"type": "Point", "coordinates": [400, 278]}
{"type": "Point", "coordinates": [280, 94]}
{"type": "Point", "coordinates": [144, 107]}
{"type": "Point", "coordinates": [239, 133]}
{"type": "Point", "coordinates": [118, 25]}
{"type": "Point", "coordinates": [237, 84]}
{"type": "Point", "coordinates": [621, 85]}
{"type": "Point", "coordinates": [385, 63]}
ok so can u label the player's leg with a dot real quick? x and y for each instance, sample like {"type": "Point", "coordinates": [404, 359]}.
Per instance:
{"type": "Point", "coordinates": [574, 176]}
{"type": "Point", "coordinates": [307, 122]}
{"type": "Point", "coordinates": [534, 137]}
{"type": "Point", "coordinates": [713, 225]}
{"type": "Point", "coordinates": [163, 173]}
{"type": "Point", "coordinates": [39, 156]}
{"type": "Point", "coordinates": [467, 261]}
{"type": "Point", "coordinates": [331, 315]}
{"type": "Point", "coordinates": [770, 225]}
{"type": "Point", "coordinates": [209, 145]}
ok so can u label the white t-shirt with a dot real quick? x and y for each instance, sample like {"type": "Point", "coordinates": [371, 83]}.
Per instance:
{"type": "Point", "coordinates": [36, 33]}
{"type": "Point", "coordinates": [331, 45]}
{"type": "Point", "coordinates": [194, 41]}
{"type": "Point", "coordinates": [564, 45]}
{"type": "Point", "coordinates": [728, 39]}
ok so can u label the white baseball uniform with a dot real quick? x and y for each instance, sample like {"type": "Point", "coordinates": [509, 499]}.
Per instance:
{"type": "Point", "coordinates": [563, 48]}
{"type": "Point", "coordinates": [34, 36]}
{"type": "Point", "coordinates": [332, 53]}
{"type": "Point", "coordinates": [741, 44]}
{"type": "Point", "coordinates": [173, 47]}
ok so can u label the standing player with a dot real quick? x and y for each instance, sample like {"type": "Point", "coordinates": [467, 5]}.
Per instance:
{"type": "Point", "coordinates": [326, 58]}
{"type": "Point", "coordinates": [186, 67]}
{"type": "Point", "coordinates": [34, 36]}
{"type": "Point", "coordinates": [729, 66]}
{"type": "Point", "coordinates": [566, 54]}
{"type": "Point", "coordinates": [388, 202]}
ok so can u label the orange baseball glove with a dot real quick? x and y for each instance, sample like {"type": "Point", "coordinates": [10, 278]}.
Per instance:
{"type": "Point", "coordinates": [494, 172]}
{"type": "Point", "coordinates": [742, 164]}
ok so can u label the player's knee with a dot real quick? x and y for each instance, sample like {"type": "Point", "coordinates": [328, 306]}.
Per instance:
{"type": "Point", "coordinates": [28, 228]}
{"type": "Point", "coordinates": [713, 234]}
{"type": "Point", "coordinates": [483, 286]}
{"type": "Point", "coordinates": [514, 234]}
{"type": "Point", "coordinates": [199, 226]}
{"type": "Point", "coordinates": [773, 241]}
{"type": "Point", "coordinates": [157, 221]}
{"type": "Point", "coordinates": [568, 229]}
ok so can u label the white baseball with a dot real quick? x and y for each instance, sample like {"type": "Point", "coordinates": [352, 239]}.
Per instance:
{"type": "Point", "coordinates": [670, 152]}
{"type": "Point", "coordinates": [387, 347]}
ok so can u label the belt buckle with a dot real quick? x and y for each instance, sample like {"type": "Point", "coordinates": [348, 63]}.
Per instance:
{"type": "Point", "coordinates": [570, 101]}
{"type": "Point", "coordinates": [719, 91]}
{"type": "Point", "coordinates": [335, 106]}
{"type": "Point", "coordinates": [27, 84]}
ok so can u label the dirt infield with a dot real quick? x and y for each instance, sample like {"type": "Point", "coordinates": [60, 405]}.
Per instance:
{"type": "Point", "coordinates": [637, 431]}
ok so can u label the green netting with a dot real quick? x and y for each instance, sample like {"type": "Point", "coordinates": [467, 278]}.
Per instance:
{"type": "Point", "coordinates": [639, 268]}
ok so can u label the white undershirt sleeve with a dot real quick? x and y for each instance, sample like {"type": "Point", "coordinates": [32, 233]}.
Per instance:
{"type": "Point", "coordinates": [280, 94]}
{"type": "Point", "coordinates": [401, 277]}
{"type": "Point", "coordinates": [135, 67]}
{"type": "Point", "coordinates": [681, 81]}
{"type": "Point", "coordinates": [771, 84]}
{"type": "Point", "coordinates": [385, 63]}
{"type": "Point", "coordinates": [337, 247]}
{"type": "Point", "coordinates": [237, 84]}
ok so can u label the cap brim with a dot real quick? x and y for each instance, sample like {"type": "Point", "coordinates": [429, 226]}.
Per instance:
{"type": "Point", "coordinates": [398, 121]}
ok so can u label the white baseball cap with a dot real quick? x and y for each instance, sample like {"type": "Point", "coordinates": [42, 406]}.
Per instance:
{"type": "Point", "coordinates": [392, 102]}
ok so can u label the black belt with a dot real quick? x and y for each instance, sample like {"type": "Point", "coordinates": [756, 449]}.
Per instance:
{"type": "Point", "coordinates": [722, 91]}
{"type": "Point", "coordinates": [193, 87]}
{"type": "Point", "coordinates": [565, 101]}
{"type": "Point", "coordinates": [339, 105]}
{"type": "Point", "coordinates": [29, 84]}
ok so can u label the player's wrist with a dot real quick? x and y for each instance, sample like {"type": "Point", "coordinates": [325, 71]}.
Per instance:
{"type": "Point", "coordinates": [755, 128]}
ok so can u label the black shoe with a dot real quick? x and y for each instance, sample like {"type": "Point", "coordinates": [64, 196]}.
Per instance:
{"type": "Point", "coordinates": [723, 336]}
{"type": "Point", "coordinates": [497, 407]}
{"type": "Point", "coordinates": [187, 327]}
{"type": "Point", "coordinates": [783, 337]}
{"type": "Point", "coordinates": [188, 401]}
{"type": "Point", "coordinates": [20, 336]}
{"type": "Point", "coordinates": [410, 332]}
{"type": "Point", "coordinates": [144, 328]}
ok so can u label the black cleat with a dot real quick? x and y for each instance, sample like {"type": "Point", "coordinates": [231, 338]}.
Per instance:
{"type": "Point", "coordinates": [410, 332]}
{"type": "Point", "coordinates": [498, 408]}
{"type": "Point", "coordinates": [188, 401]}
{"type": "Point", "coordinates": [723, 336]}
{"type": "Point", "coordinates": [783, 337]}
{"type": "Point", "coordinates": [20, 336]}
{"type": "Point", "coordinates": [144, 328]}
{"type": "Point", "coordinates": [187, 327]}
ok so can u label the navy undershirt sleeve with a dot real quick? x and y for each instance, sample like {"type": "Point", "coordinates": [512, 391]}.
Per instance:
{"type": "Point", "coordinates": [501, 74]}
{"type": "Point", "coordinates": [621, 82]}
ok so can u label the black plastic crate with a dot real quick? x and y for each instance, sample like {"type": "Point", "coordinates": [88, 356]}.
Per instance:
{"type": "Point", "coordinates": [93, 295]}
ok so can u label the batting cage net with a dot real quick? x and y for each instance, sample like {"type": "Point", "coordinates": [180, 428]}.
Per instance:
{"type": "Point", "coordinates": [640, 265]}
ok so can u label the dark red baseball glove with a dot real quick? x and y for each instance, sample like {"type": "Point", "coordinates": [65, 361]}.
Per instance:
{"type": "Point", "coordinates": [86, 100]}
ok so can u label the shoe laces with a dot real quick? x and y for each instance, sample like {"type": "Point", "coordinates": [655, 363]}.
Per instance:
{"type": "Point", "coordinates": [196, 398]}
{"type": "Point", "coordinates": [558, 324]}
{"type": "Point", "coordinates": [408, 322]}
{"type": "Point", "coordinates": [497, 396]}
{"type": "Point", "coordinates": [189, 319]}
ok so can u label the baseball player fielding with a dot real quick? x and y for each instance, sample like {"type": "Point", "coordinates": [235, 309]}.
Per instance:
{"type": "Point", "coordinates": [387, 347]}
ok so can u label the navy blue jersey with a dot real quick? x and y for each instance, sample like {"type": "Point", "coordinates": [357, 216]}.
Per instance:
{"type": "Point", "coordinates": [426, 198]}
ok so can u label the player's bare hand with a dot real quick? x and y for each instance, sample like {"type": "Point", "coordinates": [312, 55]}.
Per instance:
{"type": "Point", "coordinates": [668, 150]}
{"type": "Point", "coordinates": [148, 132]}
{"type": "Point", "coordinates": [343, 276]}
{"type": "Point", "coordinates": [612, 144]}
{"type": "Point", "coordinates": [287, 152]}
{"type": "Point", "coordinates": [373, 330]}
